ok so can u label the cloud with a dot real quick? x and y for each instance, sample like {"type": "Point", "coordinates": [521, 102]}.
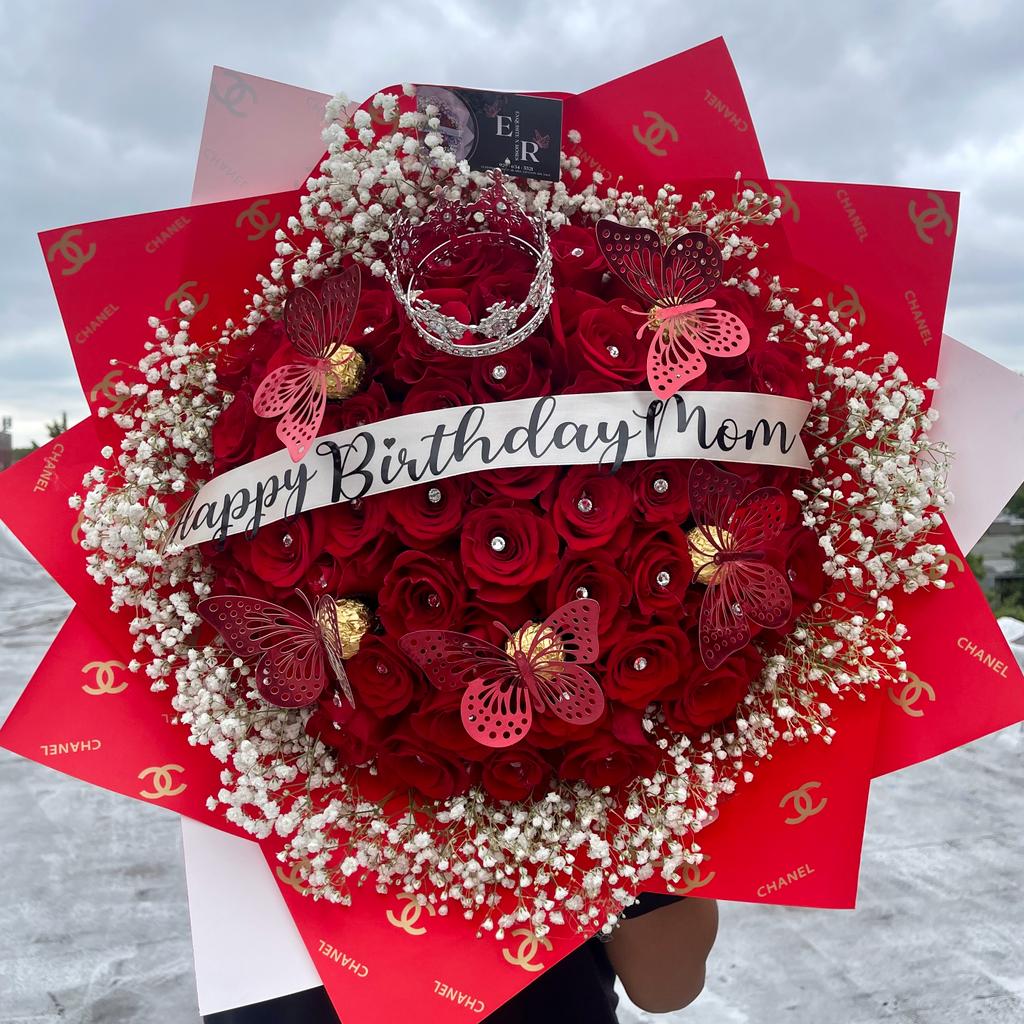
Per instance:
{"type": "Point", "coordinates": [102, 106]}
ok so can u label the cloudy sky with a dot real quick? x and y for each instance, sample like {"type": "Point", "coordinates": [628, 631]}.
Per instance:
{"type": "Point", "coordinates": [102, 103]}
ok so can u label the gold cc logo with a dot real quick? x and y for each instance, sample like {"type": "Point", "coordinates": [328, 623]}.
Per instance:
{"type": "Point", "coordinates": [949, 558]}
{"type": "Point", "coordinates": [929, 219]}
{"type": "Point", "coordinates": [71, 251]}
{"type": "Point", "coordinates": [76, 534]}
{"type": "Point", "coordinates": [804, 806]}
{"type": "Point", "coordinates": [235, 94]}
{"type": "Point", "coordinates": [408, 919]}
{"type": "Point", "coordinates": [693, 878]}
{"type": "Point", "coordinates": [103, 675]}
{"type": "Point", "coordinates": [910, 693]}
{"type": "Point", "coordinates": [848, 307]}
{"type": "Point", "coordinates": [788, 202]}
{"type": "Point", "coordinates": [105, 388]}
{"type": "Point", "coordinates": [293, 876]}
{"type": "Point", "coordinates": [183, 293]}
{"type": "Point", "coordinates": [655, 132]}
{"type": "Point", "coordinates": [527, 950]}
{"type": "Point", "coordinates": [163, 781]}
{"type": "Point", "coordinates": [258, 220]}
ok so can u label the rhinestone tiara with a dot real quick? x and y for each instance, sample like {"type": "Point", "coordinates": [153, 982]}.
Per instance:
{"type": "Point", "coordinates": [450, 228]}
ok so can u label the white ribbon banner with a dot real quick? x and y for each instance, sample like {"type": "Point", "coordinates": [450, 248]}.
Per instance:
{"type": "Point", "coordinates": [556, 430]}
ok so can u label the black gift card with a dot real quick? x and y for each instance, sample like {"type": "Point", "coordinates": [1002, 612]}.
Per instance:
{"type": "Point", "coordinates": [520, 135]}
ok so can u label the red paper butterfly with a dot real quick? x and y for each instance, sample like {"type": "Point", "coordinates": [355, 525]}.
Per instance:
{"type": "Point", "coordinates": [736, 526]}
{"type": "Point", "coordinates": [297, 392]}
{"type": "Point", "coordinates": [539, 670]}
{"type": "Point", "coordinates": [295, 654]}
{"type": "Point", "coordinates": [675, 281]}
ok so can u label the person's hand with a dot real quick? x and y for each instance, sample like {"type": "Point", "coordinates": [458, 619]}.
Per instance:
{"type": "Point", "coordinates": [660, 957]}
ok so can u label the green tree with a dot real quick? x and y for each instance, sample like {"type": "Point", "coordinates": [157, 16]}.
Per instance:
{"type": "Point", "coordinates": [57, 427]}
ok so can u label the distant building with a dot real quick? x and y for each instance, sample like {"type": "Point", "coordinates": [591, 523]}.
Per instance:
{"type": "Point", "coordinates": [6, 443]}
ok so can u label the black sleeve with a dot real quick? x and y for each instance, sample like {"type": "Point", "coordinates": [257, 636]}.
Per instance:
{"type": "Point", "coordinates": [309, 1007]}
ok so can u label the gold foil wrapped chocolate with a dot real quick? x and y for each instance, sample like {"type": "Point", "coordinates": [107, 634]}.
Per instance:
{"type": "Point", "coordinates": [354, 620]}
{"type": "Point", "coordinates": [345, 372]}
{"type": "Point", "coordinates": [702, 550]}
{"type": "Point", "coordinates": [523, 639]}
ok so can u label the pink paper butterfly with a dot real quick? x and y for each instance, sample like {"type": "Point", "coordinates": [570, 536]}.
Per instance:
{"type": "Point", "coordinates": [539, 671]}
{"type": "Point", "coordinates": [295, 654]}
{"type": "Point", "coordinates": [741, 585]}
{"type": "Point", "coordinates": [297, 392]}
{"type": "Point", "coordinates": [675, 281]}
{"type": "Point", "coordinates": [543, 141]}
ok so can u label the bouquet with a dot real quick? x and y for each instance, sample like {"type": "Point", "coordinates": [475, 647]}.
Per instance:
{"type": "Point", "coordinates": [509, 520]}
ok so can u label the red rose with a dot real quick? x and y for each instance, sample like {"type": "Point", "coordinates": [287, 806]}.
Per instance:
{"type": "Point", "coordinates": [382, 678]}
{"type": "Point", "coordinates": [514, 773]}
{"type": "Point", "coordinates": [592, 509]}
{"type": "Point", "coordinates": [229, 576]}
{"type": "Point", "coordinates": [352, 524]}
{"type": "Point", "coordinates": [594, 574]}
{"type": "Point", "coordinates": [416, 359]}
{"type": "Point", "coordinates": [511, 287]}
{"type": "Point", "coordinates": [779, 369]}
{"type": "Point", "coordinates": [661, 570]}
{"type": "Point", "coordinates": [368, 406]}
{"type": "Point", "coordinates": [604, 760]}
{"type": "Point", "coordinates": [245, 359]}
{"type": "Point", "coordinates": [660, 491]}
{"type": "Point", "coordinates": [422, 591]}
{"type": "Point", "coordinates": [525, 482]}
{"type": "Point", "coordinates": [645, 662]}
{"type": "Point", "coordinates": [354, 733]}
{"type": "Point", "coordinates": [459, 265]}
{"type": "Point", "coordinates": [426, 514]}
{"type": "Point", "coordinates": [578, 261]}
{"type": "Point", "coordinates": [520, 372]}
{"type": "Point", "coordinates": [377, 325]}
{"type": "Point", "coordinates": [706, 697]}
{"type": "Point", "coordinates": [234, 432]}
{"type": "Point", "coordinates": [506, 549]}
{"type": "Point", "coordinates": [482, 619]}
{"type": "Point", "coordinates": [437, 721]}
{"type": "Point", "coordinates": [364, 572]}
{"type": "Point", "coordinates": [282, 552]}
{"type": "Point", "coordinates": [405, 759]}
{"type": "Point", "coordinates": [567, 306]}
{"type": "Point", "coordinates": [436, 393]}
{"type": "Point", "coordinates": [803, 569]}
{"type": "Point", "coordinates": [605, 341]}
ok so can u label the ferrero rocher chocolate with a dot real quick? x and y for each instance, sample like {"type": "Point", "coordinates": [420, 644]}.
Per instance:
{"type": "Point", "coordinates": [345, 373]}
{"type": "Point", "coordinates": [702, 551]}
{"type": "Point", "coordinates": [523, 638]}
{"type": "Point", "coordinates": [353, 621]}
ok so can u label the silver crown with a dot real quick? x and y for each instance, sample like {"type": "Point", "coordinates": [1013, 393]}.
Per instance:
{"type": "Point", "coordinates": [448, 231]}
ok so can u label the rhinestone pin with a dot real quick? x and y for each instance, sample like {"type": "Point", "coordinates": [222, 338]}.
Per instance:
{"type": "Point", "coordinates": [577, 252]}
{"type": "Point", "coordinates": [499, 372]}
{"type": "Point", "coordinates": [581, 593]}
{"type": "Point", "coordinates": [640, 664]}
{"type": "Point", "coordinates": [287, 540]}
{"type": "Point", "coordinates": [660, 485]}
{"type": "Point", "coordinates": [664, 578]}
{"type": "Point", "coordinates": [498, 543]}
{"type": "Point", "coordinates": [434, 495]}
{"type": "Point", "coordinates": [585, 505]}
{"type": "Point", "coordinates": [613, 351]}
